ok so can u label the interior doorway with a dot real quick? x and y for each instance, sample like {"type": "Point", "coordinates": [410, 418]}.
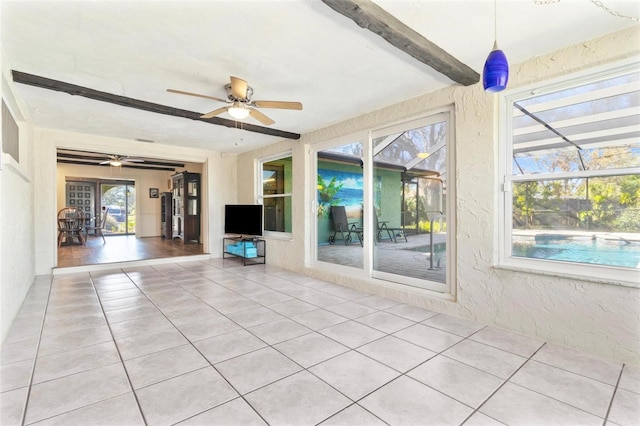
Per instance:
{"type": "Point", "coordinates": [133, 234]}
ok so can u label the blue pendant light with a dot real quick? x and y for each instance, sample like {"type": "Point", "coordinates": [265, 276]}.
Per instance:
{"type": "Point", "coordinates": [496, 68]}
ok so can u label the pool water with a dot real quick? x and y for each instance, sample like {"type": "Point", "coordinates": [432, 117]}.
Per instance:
{"type": "Point", "coordinates": [437, 248]}
{"type": "Point", "coordinates": [596, 251]}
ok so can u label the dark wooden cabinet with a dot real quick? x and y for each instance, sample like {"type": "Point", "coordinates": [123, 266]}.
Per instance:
{"type": "Point", "coordinates": [166, 220]}
{"type": "Point", "coordinates": [186, 207]}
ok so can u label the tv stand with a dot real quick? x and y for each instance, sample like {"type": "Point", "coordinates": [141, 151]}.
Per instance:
{"type": "Point", "coordinates": [251, 250]}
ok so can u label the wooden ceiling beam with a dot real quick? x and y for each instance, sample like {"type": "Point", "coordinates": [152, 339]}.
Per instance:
{"type": "Point", "coordinates": [72, 89]}
{"type": "Point", "coordinates": [372, 17]}
{"type": "Point", "coordinates": [130, 166]}
{"type": "Point", "coordinates": [96, 157]}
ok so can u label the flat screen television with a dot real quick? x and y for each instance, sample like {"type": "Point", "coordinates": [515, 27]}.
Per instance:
{"type": "Point", "coordinates": [243, 219]}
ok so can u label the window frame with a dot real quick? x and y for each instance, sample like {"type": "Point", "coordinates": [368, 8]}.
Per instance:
{"type": "Point", "coordinates": [19, 165]}
{"type": "Point", "coordinates": [504, 183]}
{"type": "Point", "coordinates": [260, 196]}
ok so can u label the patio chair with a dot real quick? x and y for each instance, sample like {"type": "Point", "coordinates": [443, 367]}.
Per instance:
{"type": "Point", "coordinates": [392, 233]}
{"type": "Point", "coordinates": [70, 225]}
{"type": "Point", "coordinates": [342, 226]}
{"type": "Point", "coordinates": [97, 230]}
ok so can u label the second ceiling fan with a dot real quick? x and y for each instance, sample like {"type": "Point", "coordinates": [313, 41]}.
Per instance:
{"type": "Point", "coordinates": [241, 106]}
{"type": "Point", "coordinates": [118, 160]}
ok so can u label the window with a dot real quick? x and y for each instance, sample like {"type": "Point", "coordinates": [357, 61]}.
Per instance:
{"type": "Point", "coordinates": [275, 193]}
{"type": "Point", "coordinates": [572, 177]}
{"type": "Point", "coordinates": [10, 138]}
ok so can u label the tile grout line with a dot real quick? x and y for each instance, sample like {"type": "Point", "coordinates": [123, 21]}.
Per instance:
{"type": "Point", "coordinates": [557, 367]}
{"type": "Point", "coordinates": [116, 344]}
{"type": "Point", "coordinates": [536, 391]}
{"type": "Point", "coordinates": [23, 417]}
{"type": "Point", "coordinates": [405, 374]}
{"type": "Point", "coordinates": [615, 391]}
{"type": "Point", "coordinates": [505, 381]}
{"type": "Point", "coordinates": [356, 401]}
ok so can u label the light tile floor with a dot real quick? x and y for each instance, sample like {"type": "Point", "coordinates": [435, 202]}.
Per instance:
{"type": "Point", "coordinates": [211, 342]}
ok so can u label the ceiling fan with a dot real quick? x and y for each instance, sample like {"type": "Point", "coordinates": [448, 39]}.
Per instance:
{"type": "Point", "coordinates": [117, 160]}
{"type": "Point", "coordinates": [241, 106]}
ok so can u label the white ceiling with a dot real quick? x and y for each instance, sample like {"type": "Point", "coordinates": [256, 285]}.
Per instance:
{"type": "Point", "coordinates": [296, 50]}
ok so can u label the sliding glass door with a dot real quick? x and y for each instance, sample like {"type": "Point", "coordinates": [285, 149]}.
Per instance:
{"type": "Point", "coordinates": [120, 198]}
{"type": "Point", "coordinates": [409, 239]}
{"type": "Point", "coordinates": [340, 202]}
{"type": "Point", "coordinates": [384, 210]}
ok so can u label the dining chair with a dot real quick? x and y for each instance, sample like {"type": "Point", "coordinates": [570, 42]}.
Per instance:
{"type": "Point", "coordinates": [97, 230]}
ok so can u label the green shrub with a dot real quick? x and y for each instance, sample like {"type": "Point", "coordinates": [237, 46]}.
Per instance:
{"type": "Point", "coordinates": [628, 221]}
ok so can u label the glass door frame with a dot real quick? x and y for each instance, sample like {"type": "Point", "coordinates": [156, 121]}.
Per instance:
{"type": "Point", "coordinates": [446, 289]}
{"type": "Point", "coordinates": [126, 184]}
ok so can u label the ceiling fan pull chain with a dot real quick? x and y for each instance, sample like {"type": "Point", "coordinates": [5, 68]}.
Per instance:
{"type": "Point", "coordinates": [614, 12]}
{"type": "Point", "coordinates": [599, 4]}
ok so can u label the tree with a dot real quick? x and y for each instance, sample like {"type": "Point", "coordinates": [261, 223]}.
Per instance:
{"type": "Point", "coordinates": [524, 195]}
{"type": "Point", "coordinates": [630, 191]}
{"type": "Point", "coordinates": [114, 196]}
{"type": "Point", "coordinates": [326, 195]}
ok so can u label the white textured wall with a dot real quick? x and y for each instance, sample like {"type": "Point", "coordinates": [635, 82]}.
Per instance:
{"type": "Point", "coordinates": [16, 244]}
{"type": "Point", "coordinates": [17, 239]}
{"type": "Point", "coordinates": [599, 318]}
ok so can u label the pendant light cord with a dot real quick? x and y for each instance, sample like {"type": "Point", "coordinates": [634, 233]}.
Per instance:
{"type": "Point", "coordinates": [495, 21]}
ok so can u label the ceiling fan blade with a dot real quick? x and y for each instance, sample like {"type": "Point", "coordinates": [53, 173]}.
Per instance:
{"type": "Point", "coordinates": [214, 112]}
{"type": "Point", "coordinates": [105, 162]}
{"type": "Point", "coordinates": [260, 117]}
{"type": "Point", "coordinates": [239, 88]}
{"type": "Point", "coordinates": [132, 160]}
{"type": "Point", "coordinates": [196, 94]}
{"type": "Point", "coordinates": [278, 104]}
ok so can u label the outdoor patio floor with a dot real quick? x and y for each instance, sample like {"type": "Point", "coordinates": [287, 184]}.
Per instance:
{"type": "Point", "coordinates": [395, 258]}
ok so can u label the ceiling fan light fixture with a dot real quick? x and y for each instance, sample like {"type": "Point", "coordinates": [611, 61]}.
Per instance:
{"type": "Point", "coordinates": [239, 95]}
{"type": "Point", "coordinates": [238, 111]}
{"type": "Point", "coordinates": [115, 163]}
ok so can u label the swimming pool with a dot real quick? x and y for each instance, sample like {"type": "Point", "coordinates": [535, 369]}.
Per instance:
{"type": "Point", "coordinates": [437, 248]}
{"type": "Point", "coordinates": [586, 250]}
